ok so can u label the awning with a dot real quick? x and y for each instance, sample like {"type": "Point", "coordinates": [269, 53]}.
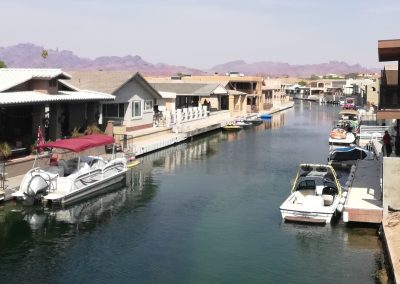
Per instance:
{"type": "Point", "coordinates": [33, 97]}
{"type": "Point", "coordinates": [389, 50]}
{"type": "Point", "coordinates": [81, 143]}
{"type": "Point", "coordinates": [388, 114]}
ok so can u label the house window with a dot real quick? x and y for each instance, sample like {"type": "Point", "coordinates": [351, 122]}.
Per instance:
{"type": "Point", "coordinates": [136, 109]}
{"type": "Point", "coordinates": [114, 110]}
{"type": "Point", "coordinates": [148, 105]}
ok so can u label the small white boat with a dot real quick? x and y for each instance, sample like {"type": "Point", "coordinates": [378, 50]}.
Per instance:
{"type": "Point", "coordinates": [315, 195]}
{"type": "Point", "coordinates": [231, 126]}
{"type": "Point", "coordinates": [255, 121]}
{"type": "Point", "coordinates": [71, 180]}
{"type": "Point", "coordinates": [244, 124]}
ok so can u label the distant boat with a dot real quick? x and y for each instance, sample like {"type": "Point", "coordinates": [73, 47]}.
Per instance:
{"type": "Point", "coordinates": [244, 124]}
{"type": "Point", "coordinates": [232, 127]}
{"type": "Point", "coordinates": [254, 121]}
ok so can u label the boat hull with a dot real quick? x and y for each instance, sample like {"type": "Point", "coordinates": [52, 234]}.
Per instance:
{"type": "Point", "coordinates": [232, 128]}
{"type": "Point", "coordinates": [85, 192]}
{"type": "Point", "coordinates": [306, 217]}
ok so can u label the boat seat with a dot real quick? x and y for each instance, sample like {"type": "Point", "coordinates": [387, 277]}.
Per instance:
{"type": "Point", "coordinates": [328, 199]}
{"type": "Point", "coordinates": [57, 170]}
{"type": "Point", "coordinates": [313, 202]}
{"type": "Point", "coordinates": [67, 168]}
{"type": "Point", "coordinates": [306, 192]}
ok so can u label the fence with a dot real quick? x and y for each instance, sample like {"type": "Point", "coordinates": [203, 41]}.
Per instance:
{"type": "Point", "coordinates": [184, 115]}
{"type": "Point", "coordinates": [368, 132]}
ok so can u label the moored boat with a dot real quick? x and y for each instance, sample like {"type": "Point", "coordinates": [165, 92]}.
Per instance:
{"type": "Point", "coordinates": [254, 121]}
{"type": "Point", "coordinates": [346, 156]}
{"type": "Point", "coordinates": [69, 180]}
{"type": "Point", "coordinates": [265, 116]}
{"type": "Point", "coordinates": [243, 124]}
{"type": "Point", "coordinates": [338, 133]}
{"type": "Point", "coordinates": [315, 195]}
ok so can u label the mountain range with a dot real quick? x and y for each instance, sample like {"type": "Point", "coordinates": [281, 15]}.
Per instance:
{"type": "Point", "coordinates": [28, 55]}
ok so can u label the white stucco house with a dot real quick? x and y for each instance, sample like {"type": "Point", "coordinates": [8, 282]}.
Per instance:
{"type": "Point", "coordinates": [136, 101]}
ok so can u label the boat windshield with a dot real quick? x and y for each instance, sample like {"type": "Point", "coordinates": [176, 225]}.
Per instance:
{"type": "Point", "coordinates": [306, 184]}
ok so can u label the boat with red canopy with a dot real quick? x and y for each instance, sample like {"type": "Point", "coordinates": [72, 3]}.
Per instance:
{"type": "Point", "coordinates": [74, 178]}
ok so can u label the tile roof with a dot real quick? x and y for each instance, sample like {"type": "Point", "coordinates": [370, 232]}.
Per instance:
{"type": "Point", "coordinates": [10, 98]}
{"type": "Point", "coordinates": [167, 95]}
{"type": "Point", "coordinates": [11, 77]}
{"type": "Point", "coordinates": [108, 81]}
{"type": "Point", "coordinates": [100, 81]}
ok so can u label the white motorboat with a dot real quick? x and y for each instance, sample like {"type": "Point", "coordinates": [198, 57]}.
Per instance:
{"type": "Point", "coordinates": [346, 154]}
{"type": "Point", "coordinates": [315, 195]}
{"type": "Point", "coordinates": [255, 120]}
{"type": "Point", "coordinates": [243, 123]}
{"type": "Point", "coordinates": [73, 179]}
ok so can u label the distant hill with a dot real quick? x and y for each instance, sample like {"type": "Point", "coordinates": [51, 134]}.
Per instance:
{"type": "Point", "coordinates": [285, 69]}
{"type": "Point", "coordinates": [28, 55]}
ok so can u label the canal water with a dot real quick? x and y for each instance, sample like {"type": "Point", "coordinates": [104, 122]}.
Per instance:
{"type": "Point", "coordinates": [206, 211]}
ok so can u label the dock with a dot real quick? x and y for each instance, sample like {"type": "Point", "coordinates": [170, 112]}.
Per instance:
{"type": "Point", "coordinates": [364, 199]}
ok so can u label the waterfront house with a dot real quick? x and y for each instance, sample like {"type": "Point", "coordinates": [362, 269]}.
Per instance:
{"type": "Point", "coordinates": [30, 98]}
{"type": "Point", "coordinates": [214, 96]}
{"type": "Point", "coordinates": [274, 94]}
{"type": "Point", "coordinates": [245, 92]}
{"type": "Point", "coordinates": [136, 102]}
{"type": "Point", "coordinates": [320, 86]}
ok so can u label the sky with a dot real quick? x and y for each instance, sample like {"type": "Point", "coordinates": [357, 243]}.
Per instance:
{"type": "Point", "coordinates": [204, 33]}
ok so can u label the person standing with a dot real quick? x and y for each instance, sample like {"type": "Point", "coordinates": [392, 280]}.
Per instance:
{"type": "Point", "coordinates": [387, 143]}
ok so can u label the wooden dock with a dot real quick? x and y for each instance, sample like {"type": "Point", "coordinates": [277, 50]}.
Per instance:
{"type": "Point", "coordinates": [364, 199]}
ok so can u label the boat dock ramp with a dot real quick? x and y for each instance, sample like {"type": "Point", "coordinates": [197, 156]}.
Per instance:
{"type": "Point", "coordinates": [364, 197]}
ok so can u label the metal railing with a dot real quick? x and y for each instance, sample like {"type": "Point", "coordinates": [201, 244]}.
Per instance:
{"type": "Point", "coordinates": [373, 132]}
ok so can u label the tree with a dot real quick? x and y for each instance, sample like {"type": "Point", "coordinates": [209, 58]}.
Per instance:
{"type": "Point", "coordinates": [314, 77]}
{"type": "Point", "coordinates": [5, 150]}
{"type": "Point", "coordinates": [2, 64]}
{"type": "Point", "coordinates": [45, 53]}
{"type": "Point", "coordinates": [302, 83]}
{"type": "Point", "coordinates": [351, 76]}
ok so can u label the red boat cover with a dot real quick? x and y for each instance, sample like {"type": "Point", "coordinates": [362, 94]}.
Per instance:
{"type": "Point", "coordinates": [81, 143]}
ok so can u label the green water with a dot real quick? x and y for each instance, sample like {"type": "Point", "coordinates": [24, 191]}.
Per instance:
{"type": "Point", "coordinates": [201, 212]}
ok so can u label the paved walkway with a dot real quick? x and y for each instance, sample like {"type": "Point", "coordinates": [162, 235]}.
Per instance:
{"type": "Point", "coordinates": [364, 201]}
{"type": "Point", "coordinates": [391, 229]}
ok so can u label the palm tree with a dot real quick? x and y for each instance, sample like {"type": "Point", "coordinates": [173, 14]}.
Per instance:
{"type": "Point", "coordinates": [93, 129]}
